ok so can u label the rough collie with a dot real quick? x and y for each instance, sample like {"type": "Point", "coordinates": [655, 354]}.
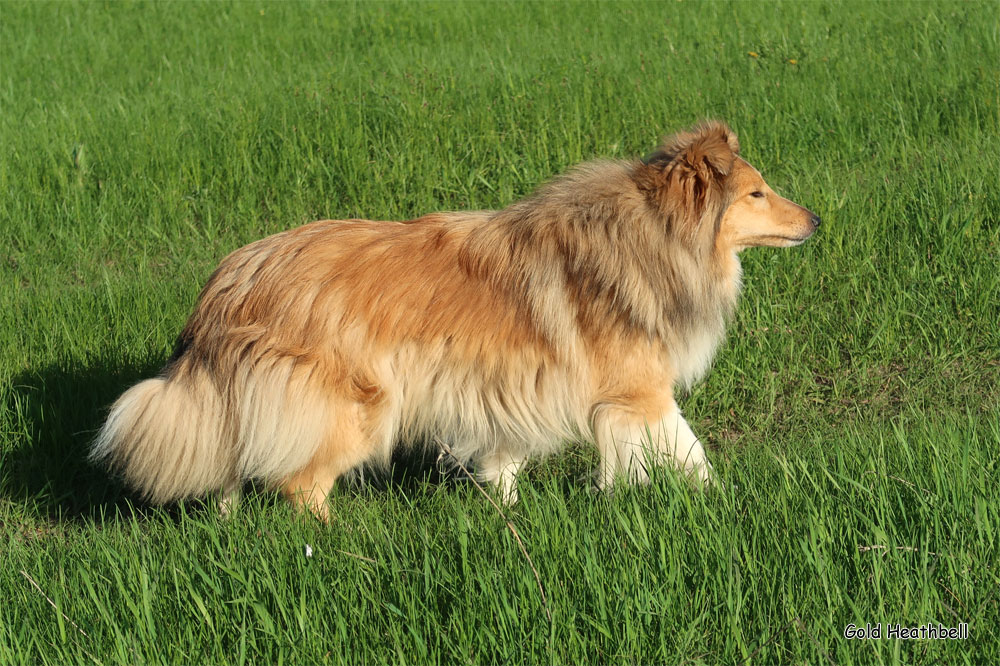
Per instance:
{"type": "Point", "coordinates": [574, 313]}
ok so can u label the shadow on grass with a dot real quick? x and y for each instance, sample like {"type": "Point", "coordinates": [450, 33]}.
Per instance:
{"type": "Point", "coordinates": [61, 410]}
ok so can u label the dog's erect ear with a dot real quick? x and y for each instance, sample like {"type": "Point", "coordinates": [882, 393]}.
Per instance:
{"type": "Point", "coordinates": [687, 173]}
{"type": "Point", "coordinates": [709, 150]}
{"type": "Point", "coordinates": [713, 146]}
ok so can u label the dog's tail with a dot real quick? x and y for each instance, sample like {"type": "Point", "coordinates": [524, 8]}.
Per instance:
{"type": "Point", "coordinates": [177, 436]}
{"type": "Point", "coordinates": [166, 436]}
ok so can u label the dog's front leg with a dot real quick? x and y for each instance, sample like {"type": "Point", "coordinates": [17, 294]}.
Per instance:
{"type": "Point", "coordinates": [230, 497]}
{"type": "Point", "coordinates": [500, 468]}
{"type": "Point", "coordinates": [684, 447]}
{"type": "Point", "coordinates": [628, 442]}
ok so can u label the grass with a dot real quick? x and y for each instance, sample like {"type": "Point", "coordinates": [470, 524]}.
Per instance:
{"type": "Point", "coordinates": [853, 413]}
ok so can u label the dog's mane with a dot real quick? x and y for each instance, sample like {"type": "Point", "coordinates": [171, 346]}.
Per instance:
{"type": "Point", "coordinates": [630, 256]}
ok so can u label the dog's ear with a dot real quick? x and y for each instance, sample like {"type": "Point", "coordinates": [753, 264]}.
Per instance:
{"type": "Point", "coordinates": [708, 150]}
{"type": "Point", "coordinates": [689, 165]}
{"type": "Point", "coordinates": [713, 147]}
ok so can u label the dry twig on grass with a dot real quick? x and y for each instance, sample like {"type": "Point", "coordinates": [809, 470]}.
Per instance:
{"type": "Point", "coordinates": [510, 526]}
{"type": "Point", "coordinates": [65, 617]}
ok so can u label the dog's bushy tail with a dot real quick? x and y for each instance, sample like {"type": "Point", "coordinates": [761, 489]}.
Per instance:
{"type": "Point", "coordinates": [178, 436]}
{"type": "Point", "coordinates": [169, 439]}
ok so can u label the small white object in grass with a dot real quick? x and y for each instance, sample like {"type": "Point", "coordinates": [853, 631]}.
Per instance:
{"type": "Point", "coordinates": [309, 550]}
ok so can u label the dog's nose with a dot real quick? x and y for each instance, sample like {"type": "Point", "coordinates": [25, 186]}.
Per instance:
{"type": "Point", "coordinates": [815, 221]}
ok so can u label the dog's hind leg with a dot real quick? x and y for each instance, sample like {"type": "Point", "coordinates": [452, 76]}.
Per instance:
{"type": "Point", "coordinates": [346, 447]}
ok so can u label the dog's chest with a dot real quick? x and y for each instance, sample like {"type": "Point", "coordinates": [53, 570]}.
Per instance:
{"type": "Point", "coordinates": [693, 356]}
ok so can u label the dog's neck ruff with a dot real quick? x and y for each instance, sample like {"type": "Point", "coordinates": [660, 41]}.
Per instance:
{"type": "Point", "coordinates": [697, 343]}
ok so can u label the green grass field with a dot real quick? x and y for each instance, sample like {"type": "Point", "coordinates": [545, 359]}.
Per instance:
{"type": "Point", "coordinates": [853, 414]}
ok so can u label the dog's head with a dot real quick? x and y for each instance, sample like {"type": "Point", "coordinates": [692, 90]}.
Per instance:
{"type": "Point", "coordinates": [711, 196]}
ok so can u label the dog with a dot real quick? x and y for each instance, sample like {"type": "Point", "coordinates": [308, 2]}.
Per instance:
{"type": "Point", "coordinates": [575, 313]}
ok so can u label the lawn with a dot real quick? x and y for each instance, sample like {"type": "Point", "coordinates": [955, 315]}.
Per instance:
{"type": "Point", "coordinates": [853, 413]}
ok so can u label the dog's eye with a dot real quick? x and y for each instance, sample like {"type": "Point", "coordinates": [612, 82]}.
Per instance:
{"type": "Point", "coordinates": [757, 194]}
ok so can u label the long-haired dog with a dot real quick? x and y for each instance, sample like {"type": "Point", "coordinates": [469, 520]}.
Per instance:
{"type": "Point", "coordinates": [575, 312]}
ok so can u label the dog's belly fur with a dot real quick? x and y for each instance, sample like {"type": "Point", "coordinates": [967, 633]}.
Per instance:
{"type": "Point", "coordinates": [523, 408]}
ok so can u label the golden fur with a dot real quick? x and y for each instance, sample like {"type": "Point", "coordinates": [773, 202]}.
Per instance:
{"type": "Point", "coordinates": [574, 312]}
